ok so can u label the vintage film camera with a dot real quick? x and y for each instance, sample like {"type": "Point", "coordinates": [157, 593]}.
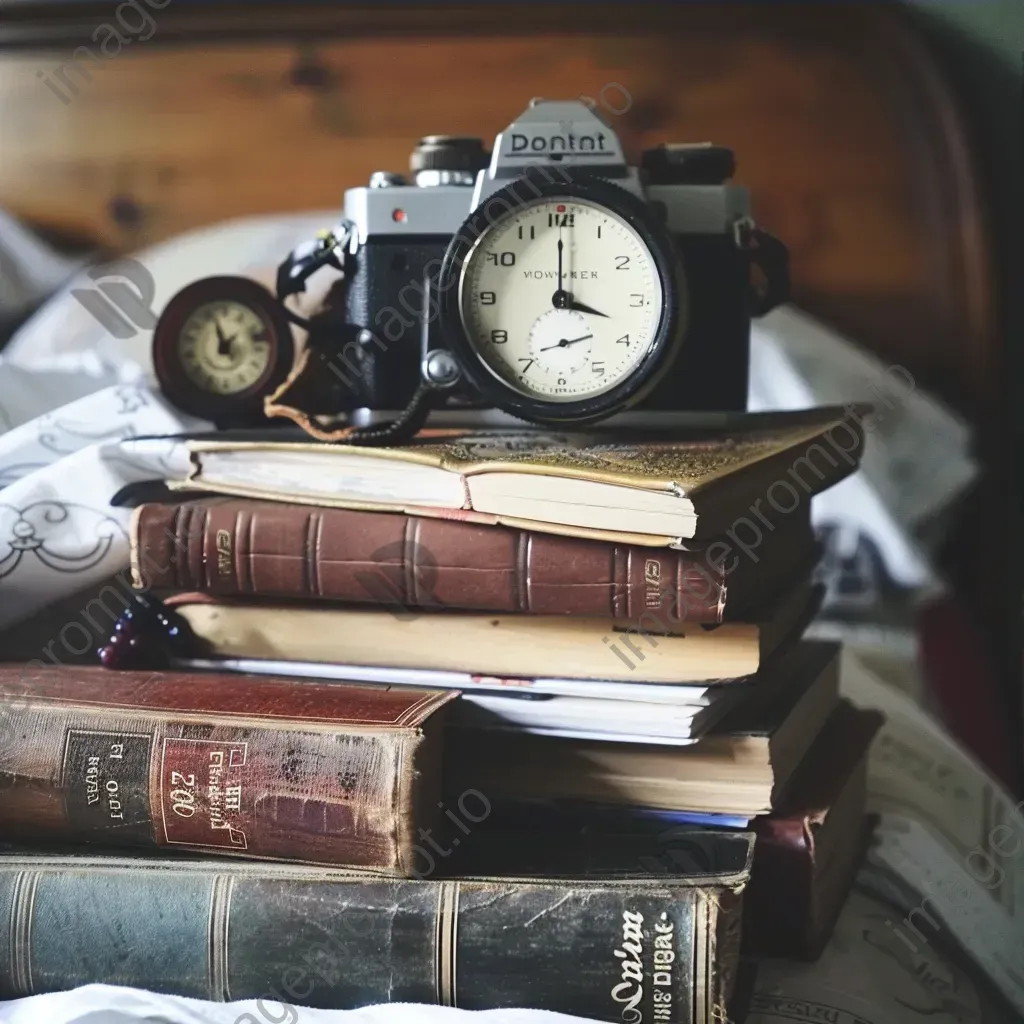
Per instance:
{"type": "Point", "coordinates": [548, 278]}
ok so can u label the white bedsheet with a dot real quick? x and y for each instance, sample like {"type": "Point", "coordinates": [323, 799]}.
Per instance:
{"type": "Point", "coordinates": [105, 1004]}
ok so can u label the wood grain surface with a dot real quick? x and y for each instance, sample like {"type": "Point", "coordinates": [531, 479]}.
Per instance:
{"type": "Point", "coordinates": [842, 130]}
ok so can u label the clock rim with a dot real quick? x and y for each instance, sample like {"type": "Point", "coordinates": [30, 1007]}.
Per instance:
{"type": "Point", "coordinates": [241, 407]}
{"type": "Point", "coordinates": [639, 217]}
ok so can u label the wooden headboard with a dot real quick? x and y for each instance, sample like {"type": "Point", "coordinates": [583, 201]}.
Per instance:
{"type": "Point", "coordinates": [842, 124]}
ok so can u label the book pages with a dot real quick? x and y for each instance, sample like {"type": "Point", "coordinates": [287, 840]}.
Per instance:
{"type": "Point", "coordinates": [949, 831]}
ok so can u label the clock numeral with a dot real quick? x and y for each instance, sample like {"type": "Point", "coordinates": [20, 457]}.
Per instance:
{"type": "Point", "coordinates": [598, 369]}
{"type": "Point", "coordinates": [561, 220]}
{"type": "Point", "coordinates": [533, 231]}
{"type": "Point", "coordinates": [499, 337]}
{"type": "Point", "coordinates": [598, 230]}
{"type": "Point", "coordinates": [624, 340]}
{"type": "Point", "coordinates": [621, 262]}
{"type": "Point", "coordinates": [636, 300]}
{"type": "Point", "coordinates": [488, 298]}
{"type": "Point", "coordinates": [529, 363]}
{"type": "Point", "coordinates": [505, 259]}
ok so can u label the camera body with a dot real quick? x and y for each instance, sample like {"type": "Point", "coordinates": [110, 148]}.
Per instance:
{"type": "Point", "coordinates": [400, 228]}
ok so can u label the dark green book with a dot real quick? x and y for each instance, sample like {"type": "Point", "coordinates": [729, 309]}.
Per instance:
{"type": "Point", "coordinates": [633, 948]}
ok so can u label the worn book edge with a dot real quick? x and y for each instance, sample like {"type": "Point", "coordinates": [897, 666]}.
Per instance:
{"type": "Point", "coordinates": [649, 540]}
{"type": "Point", "coordinates": [565, 458]}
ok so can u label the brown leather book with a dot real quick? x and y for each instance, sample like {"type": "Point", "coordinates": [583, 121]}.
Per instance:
{"type": "Point", "coordinates": [238, 547]}
{"type": "Point", "coordinates": [225, 764]}
{"type": "Point", "coordinates": [808, 849]}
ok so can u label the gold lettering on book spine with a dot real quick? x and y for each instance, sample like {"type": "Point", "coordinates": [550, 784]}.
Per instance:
{"type": "Point", "coordinates": [629, 992]}
{"type": "Point", "coordinates": [223, 553]}
{"type": "Point", "coordinates": [652, 583]}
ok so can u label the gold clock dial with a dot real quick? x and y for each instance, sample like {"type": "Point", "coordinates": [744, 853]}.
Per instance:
{"type": "Point", "coordinates": [224, 347]}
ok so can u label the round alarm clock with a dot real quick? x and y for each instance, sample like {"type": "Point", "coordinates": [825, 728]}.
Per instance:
{"type": "Point", "coordinates": [221, 346]}
{"type": "Point", "coordinates": [513, 308]}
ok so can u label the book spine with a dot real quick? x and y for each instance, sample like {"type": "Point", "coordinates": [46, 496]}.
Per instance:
{"type": "Point", "coordinates": [634, 953]}
{"type": "Point", "coordinates": [240, 548]}
{"type": "Point", "coordinates": [196, 782]}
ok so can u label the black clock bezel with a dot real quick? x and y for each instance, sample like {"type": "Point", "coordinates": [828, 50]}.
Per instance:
{"type": "Point", "coordinates": [242, 408]}
{"type": "Point", "coordinates": [536, 187]}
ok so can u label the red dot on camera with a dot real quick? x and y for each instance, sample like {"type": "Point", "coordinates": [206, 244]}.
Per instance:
{"type": "Point", "coordinates": [559, 209]}
{"type": "Point", "coordinates": [398, 216]}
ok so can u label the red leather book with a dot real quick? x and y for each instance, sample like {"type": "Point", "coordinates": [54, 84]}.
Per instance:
{"type": "Point", "coordinates": [233, 548]}
{"type": "Point", "coordinates": [808, 849]}
{"type": "Point", "coordinates": [222, 764]}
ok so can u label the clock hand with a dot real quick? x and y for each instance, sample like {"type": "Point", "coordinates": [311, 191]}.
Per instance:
{"type": "Point", "coordinates": [223, 342]}
{"type": "Point", "coordinates": [580, 307]}
{"type": "Point", "coordinates": [564, 300]}
{"type": "Point", "coordinates": [565, 343]}
{"type": "Point", "coordinates": [559, 299]}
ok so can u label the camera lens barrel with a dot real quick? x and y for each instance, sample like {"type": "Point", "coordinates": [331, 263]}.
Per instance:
{"type": "Point", "coordinates": [449, 153]}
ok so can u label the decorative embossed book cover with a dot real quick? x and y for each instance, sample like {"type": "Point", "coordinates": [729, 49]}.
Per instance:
{"type": "Point", "coordinates": [608, 943]}
{"type": "Point", "coordinates": [231, 547]}
{"type": "Point", "coordinates": [652, 491]}
{"type": "Point", "coordinates": [253, 767]}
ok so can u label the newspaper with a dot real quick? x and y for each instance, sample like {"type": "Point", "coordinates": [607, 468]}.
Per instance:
{"type": "Point", "coordinates": [868, 975]}
{"type": "Point", "coordinates": [880, 526]}
{"type": "Point", "coordinates": [949, 831]}
{"type": "Point", "coordinates": [920, 461]}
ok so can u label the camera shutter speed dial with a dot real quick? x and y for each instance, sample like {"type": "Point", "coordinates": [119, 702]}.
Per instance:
{"type": "Point", "coordinates": [567, 305]}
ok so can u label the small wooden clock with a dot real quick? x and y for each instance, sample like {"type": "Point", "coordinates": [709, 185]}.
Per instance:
{"type": "Point", "coordinates": [221, 345]}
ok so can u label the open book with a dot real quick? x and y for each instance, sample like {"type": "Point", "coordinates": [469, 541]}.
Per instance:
{"type": "Point", "coordinates": [713, 471]}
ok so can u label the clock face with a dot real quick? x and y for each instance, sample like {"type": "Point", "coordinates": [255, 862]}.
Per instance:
{"type": "Point", "coordinates": [561, 299]}
{"type": "Point", "coordinates": [221, 346]}
{"type": "Point", "coordinates": [224, 347]}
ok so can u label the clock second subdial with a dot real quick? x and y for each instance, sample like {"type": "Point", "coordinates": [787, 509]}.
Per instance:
{"type": "Point", "coordinates": [560, 342]}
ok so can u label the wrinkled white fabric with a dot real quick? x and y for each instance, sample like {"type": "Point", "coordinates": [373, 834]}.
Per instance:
{"type": "Point", "coordinates": [105, 1004]}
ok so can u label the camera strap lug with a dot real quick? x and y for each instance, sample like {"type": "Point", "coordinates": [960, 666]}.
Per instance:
{"type": "Point", "coordinates": [771, 257]}
{"type": "Point", "coordinates": [330, 248]}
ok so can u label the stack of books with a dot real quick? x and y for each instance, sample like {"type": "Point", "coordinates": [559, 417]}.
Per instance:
{"type": "Point", "coordinates": [516, 696]}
